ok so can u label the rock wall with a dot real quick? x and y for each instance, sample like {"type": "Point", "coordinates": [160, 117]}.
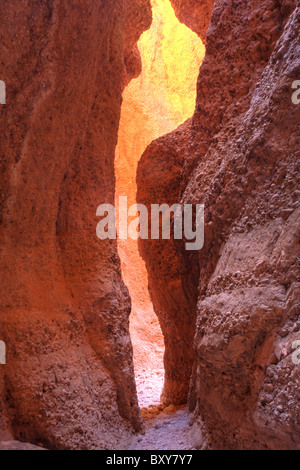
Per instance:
{"type": "Point", "coordinates": [158, 177]}
{"type": "Point", "coordinates": [158, 101]}
{"type": "Point", "coordinates": [195, 14]}
{"type": "Point", "coordinates": [68, 381]}
{"type": "Point", "coordinates": [239, 157]}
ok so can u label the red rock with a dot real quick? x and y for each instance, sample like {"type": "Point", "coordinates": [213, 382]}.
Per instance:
{"type": "Point", "coordinates": [69, 381]}
{"type": "Point", "coordinates": [195, 14]}
{"type": "Point", "coordinates": [239, 159]}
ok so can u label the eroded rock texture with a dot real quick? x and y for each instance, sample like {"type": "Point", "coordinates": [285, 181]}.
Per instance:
{"type": "Point", "coordinates": [195, 14]}
{"type": "Point", "coordinates": [240, 157]}
{"type": "Point", "coordinates": [157, 102]}
{"type": "Point", "coordinates": [68, 382]}
{"type": "Point", "coordinates": [159, 173]}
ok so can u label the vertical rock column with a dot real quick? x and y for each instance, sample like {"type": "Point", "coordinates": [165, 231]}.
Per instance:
{"type": "Point", "coordinates": [241, 160]}
{"type": "Point", "coordinates": [68, 382]}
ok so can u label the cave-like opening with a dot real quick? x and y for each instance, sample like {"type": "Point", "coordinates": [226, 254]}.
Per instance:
{"type": "Point", "coordinates": [154, 104]}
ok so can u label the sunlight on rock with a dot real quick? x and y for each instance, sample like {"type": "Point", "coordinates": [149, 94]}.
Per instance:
{"type": "Point", "coordinates": [157, 102]}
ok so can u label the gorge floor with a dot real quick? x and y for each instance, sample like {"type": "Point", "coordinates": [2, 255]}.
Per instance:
{"type": "Point", "coordinates": [167, 430]}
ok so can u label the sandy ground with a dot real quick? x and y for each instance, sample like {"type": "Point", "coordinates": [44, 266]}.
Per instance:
{"type": "Point", "coordinates": [168, 430]}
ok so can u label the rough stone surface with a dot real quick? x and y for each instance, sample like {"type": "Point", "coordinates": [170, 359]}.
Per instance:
{"type": "Point", "coordinates": [231, 312]}
{"type": "Point", "coordinates": [174, 305]}
{"type": "Point", "coordinates": [241, 159]}
{"type": "Point", "coordinates": [17, 445]}
{"type": "Point", "coordinates": [167, 429]}
{"type": "Point", "coordinates": [195, 14]}
{"type": "Point", "coordinates": [68, 381]}
{"type": "Point", "coordinates": [157, 102]}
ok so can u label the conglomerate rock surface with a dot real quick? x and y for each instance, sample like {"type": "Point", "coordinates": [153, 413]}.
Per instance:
{"type": "Point", "coordinates": [239, 156]}
{"type": "Point", "coordinates": [195, 14]}
{"type": "Point", "coordinates": [161, 99]}
{"type": "Point", "coordinates": [159, 173]}
{"type": "Point", "coordinates": [68, 381]}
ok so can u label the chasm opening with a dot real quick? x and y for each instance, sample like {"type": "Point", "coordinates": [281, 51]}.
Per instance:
{"type": "Point", "coordinates": [154, 104]}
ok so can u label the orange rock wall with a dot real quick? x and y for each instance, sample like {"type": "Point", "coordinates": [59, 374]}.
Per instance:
{"type": "Point", "coordinates": [160, 99]}
{"type": "Point", "coordinates": [69, 381]}
{"type": "Point", "coordinates": [239, 156]}
{"type": "Point", "coordinates": [195, 14]}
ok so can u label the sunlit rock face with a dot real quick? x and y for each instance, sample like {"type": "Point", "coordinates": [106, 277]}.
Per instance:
{"type": "Point", "coordinates": [155, 103]}
{"type": "Point", "coordinates": [68, 381]}
{"type": "Point", "coordinates": [172, 290]}
{"type": "Point", "coordinates": [240, 157]}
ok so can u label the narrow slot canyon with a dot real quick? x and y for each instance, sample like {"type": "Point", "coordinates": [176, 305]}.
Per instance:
{"type": "Point", "coordinates": [154, 104]}
{"type": "Point", "coordinates": [182, 333]}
